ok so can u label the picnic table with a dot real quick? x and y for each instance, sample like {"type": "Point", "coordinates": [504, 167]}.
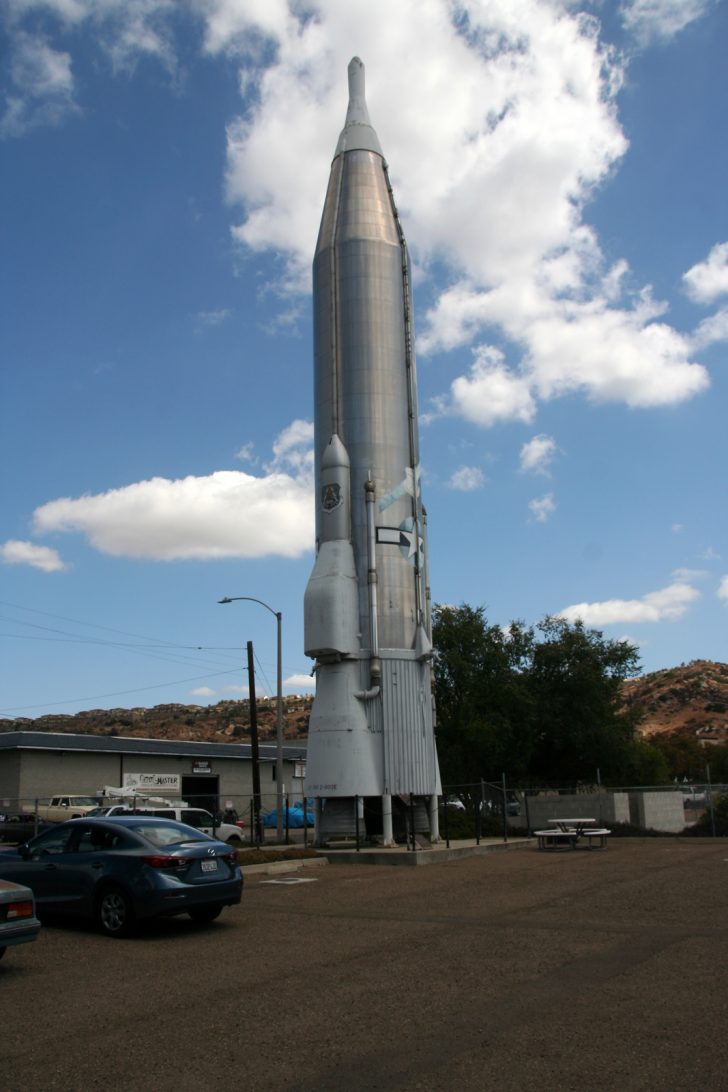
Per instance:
{"type": "Point", "coordinates": [568, 830]}
{"type": "Point", "coordinates": [575, 826]}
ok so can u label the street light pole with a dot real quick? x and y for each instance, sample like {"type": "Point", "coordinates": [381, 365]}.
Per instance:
{"type": "Point", "coordinates": [279, 704]}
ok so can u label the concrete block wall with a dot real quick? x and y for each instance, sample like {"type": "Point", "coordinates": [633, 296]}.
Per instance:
{"type": "Point", "coordinates": [599, 806]}
{"type": "Point", "coordinates": [658, 810]}
{"type": "Point", "coordinates": [651, 810]}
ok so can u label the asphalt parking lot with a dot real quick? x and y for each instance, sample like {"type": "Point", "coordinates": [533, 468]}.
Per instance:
{"type": "Point", "coordinates": [521, 969]}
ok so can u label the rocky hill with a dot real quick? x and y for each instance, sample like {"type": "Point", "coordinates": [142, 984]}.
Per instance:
{"type": "Point", "coordinates": [221, 723]}
{"type": "Point", "coordinates": [690, 700]}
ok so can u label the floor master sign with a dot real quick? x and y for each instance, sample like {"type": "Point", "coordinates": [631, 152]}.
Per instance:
{"type": "Point", "coordinates": [371, 744]}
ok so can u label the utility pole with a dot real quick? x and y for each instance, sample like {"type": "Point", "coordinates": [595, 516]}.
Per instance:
{"type": "Point", "coordinates": [279, 704]}
{"type": "Point", "coordinates": [254, 745]}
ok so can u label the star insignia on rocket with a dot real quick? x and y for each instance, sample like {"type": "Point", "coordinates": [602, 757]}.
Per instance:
{"type": "Point", "coordinates": [408, 542]}
{"type": "Point", "coordinates": [411, 543]}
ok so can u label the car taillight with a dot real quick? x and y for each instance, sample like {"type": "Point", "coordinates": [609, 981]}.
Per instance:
{"type": "Point", "coordinates": [20, 910]}
{"type": "Point", "coordinates": [166, 862]}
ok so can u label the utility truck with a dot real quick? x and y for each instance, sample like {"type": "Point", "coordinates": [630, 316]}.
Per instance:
{"type": "Point", "coordinates": [129, 801]}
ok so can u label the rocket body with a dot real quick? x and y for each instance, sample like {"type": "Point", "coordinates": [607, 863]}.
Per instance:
{"type": "Point", "coordinates": [366, 609]}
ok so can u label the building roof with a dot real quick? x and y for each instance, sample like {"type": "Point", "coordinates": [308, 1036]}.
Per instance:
{"type": "Point", "coordinates": [76, 741]}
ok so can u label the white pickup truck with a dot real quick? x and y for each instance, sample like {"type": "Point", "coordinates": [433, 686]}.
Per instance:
{"type": "Point", "coordinates": [66, 807]}
{"type": "Point", "coordinates": [193, 817]}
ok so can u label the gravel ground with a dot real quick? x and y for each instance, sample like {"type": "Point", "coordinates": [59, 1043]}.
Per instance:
{"type": "Point", "coordinates": [517, 970]}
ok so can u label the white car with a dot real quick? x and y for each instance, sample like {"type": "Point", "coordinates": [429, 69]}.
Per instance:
{"type": "Point", "coordinates": [193, 817]}
{"type": "Point", "coordinates": [18, 923]}
{"type": "Point", "coordinates": [454, 802]}
{"type": "Point", "coordinates": [694, 796]}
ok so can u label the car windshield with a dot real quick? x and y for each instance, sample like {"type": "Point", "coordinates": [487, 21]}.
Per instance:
{"type": "Point", "coordinates": [169, 833]}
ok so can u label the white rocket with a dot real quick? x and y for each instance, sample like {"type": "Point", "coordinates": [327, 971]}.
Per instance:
{"type": "Point", "coordinates": [366, 608]}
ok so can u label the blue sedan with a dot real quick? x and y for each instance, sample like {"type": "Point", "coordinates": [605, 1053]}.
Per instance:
{"type": "Point", "coordinates": [120, 870]}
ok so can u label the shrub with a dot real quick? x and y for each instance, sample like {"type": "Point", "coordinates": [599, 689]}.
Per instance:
{"type": "Point", "coordinates": [461, 824]}
{"type": "Point", "coordinates": [704, 826]}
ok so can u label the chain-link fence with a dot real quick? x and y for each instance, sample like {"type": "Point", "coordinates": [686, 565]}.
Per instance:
{"type": "Point", "coordinates": [235, 819]}
{"type": "Point", "coordinates": [477, 810]}
{"type": "Point", "coordinates": [503, 809]}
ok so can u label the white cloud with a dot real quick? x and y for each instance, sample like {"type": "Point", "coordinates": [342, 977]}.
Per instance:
{"type": "Point", "coordinates": [506, 124]}
{"type": "Point", "coordinates": [126, 29]}
{"type": "Point", "coordinates": [302, 684]}
{"type": "Point", "coordinates": [490, 393]}
{"type": "Point", "coordinates": [712, 329]}
{"type": "Point", "coordinates": [542, 507]}
{"type": "Point", "coordinates": [246, 453]}
{"type": "Point", "coordinates": [293, 448]}
{"type": "Point", "coordinates": [229, 24]}
{"type": "Point", "coordinates": [213, 318]}
{"type": "Point", "coordinates": [42, 89]}
{"type": "Point", "coordinates": [202, 692]}
{"type": "Point", "coordinates": [660, 20]}
{"type": "Point", "coordinates": [227, 514]}
{"type": "Point", "coordinates": [687, 575]}
{"type": "Point", "coordinates": [586, 345]}
{"type": "Point", "coordinates": [41, 85]}
{"type": "Point", "coordinates": [467, 478]}
{"type": "Point", "coordinates": [723, 589]}
{"type": "Point", "coordinates": [709, 554]}
{"type": "Point", "coordinates": [537, 454]}
{"type": "Point", "coordinates": [498, 194]}
{"type": "Point", "coordinates": [15, 552]}
{"type": "Point", "coordinates": [708, 280]}
{"type": "Point", "coordinates": [667, 604]}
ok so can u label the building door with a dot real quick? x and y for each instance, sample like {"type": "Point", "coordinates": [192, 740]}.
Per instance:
{"type": "Point", "coordinates": [201, 791]}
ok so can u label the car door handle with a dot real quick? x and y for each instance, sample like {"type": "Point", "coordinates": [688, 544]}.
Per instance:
{"type": "Point", "coordinates": [50, 868]}
{"type": "Point", "coordinates": [97, 864]}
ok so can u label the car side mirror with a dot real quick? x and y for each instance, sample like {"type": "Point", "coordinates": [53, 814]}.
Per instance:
{"type": "Point", "coordinates": [24, 851]}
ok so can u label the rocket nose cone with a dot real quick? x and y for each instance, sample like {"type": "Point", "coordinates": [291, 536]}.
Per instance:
{"type": "Point", "coordinates": [358, 132]}
{"type": "Point", "coordinates": [335, 454]}
{"type": "Point", "coordinates": [356, 79]}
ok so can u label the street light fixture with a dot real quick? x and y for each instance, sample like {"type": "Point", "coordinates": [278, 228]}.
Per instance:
{"type": "Point", "coordinates": [279, 706]}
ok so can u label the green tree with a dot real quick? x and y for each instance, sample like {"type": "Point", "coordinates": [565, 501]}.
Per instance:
{"type": "Point", "coordinates": [644, 764]}
{"type": "Point", "coordinates": [549, 709]}
{"type": "Point", "coordinates": [483, 704]}
{"type": "Point", "coordinates": [718, 759]}
{"type": "Point", "coordinates": [581, 724]}
{"type": "Point", "coordinates": [687, 760]}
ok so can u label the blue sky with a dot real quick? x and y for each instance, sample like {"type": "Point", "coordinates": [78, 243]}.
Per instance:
{"type": "Point", "coordinates": [560, 172]}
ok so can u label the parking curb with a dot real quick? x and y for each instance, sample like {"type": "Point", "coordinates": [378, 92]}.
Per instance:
{"type": "Point", "coordinates": [284, 866]}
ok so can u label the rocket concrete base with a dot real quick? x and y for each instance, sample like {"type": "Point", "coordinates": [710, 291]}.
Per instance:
{"type": "Point", "coordinates": [437, 854]}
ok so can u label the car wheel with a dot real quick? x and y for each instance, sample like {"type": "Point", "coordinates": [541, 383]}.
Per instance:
{"type": "Point", "coordinates": [235, 841]}
{"type": "Point", "coordinates": [114, 913]}
{"type": "Point", "coordinates": [204, 914]}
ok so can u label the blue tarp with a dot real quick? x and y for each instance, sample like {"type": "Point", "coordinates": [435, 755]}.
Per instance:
{"type": "Point", "coordinates": [295, 817]}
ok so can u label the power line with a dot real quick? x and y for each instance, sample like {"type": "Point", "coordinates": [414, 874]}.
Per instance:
{"type": "Point", "coordinates": [80, 622]}
{"type": "Point", "coordinates": [152, 651]}
{"type": "Point", "coordinates": [116, 693]}
{"type": "Point", "coordinates": [152, 648]}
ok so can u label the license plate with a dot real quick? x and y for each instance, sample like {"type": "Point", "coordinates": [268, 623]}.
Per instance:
{"type": "Point", "coordinates": [209, 866]}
